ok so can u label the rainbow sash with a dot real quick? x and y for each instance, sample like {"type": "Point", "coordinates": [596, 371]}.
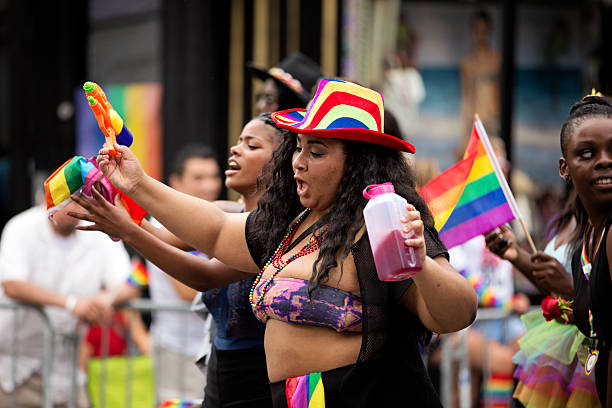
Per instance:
{"type": "Point", "coordinates": [305, 391]}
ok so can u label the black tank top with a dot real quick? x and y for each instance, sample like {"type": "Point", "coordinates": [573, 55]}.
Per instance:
{"type": "Point", "coordinates": [595, 294]}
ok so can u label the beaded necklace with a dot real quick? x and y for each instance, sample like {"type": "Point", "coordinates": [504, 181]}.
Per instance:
{"type": "Point", "coordinates": [276, 260]}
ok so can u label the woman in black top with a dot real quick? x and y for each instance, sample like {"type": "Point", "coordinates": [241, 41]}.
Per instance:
{"type": "Point", "coordinates": [314, 190]}
{"type": "Point", "coordinates": [586, 145]}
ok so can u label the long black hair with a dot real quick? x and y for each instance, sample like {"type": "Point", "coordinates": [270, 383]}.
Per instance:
{"type": "Point", "coordinates": [587, 108]}
{"type": "Point", "coordinates": [365, 164]}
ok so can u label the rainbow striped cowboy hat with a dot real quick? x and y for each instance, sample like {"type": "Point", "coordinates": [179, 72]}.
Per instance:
{"type": "Point", "coordinates": [342, 110]}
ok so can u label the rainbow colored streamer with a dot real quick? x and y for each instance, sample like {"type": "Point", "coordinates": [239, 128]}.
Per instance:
{"type": "Point", "coordinates": [305, 391]}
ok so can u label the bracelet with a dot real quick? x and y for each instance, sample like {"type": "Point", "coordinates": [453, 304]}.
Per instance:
{"type": "Point", "coordinates": [71, 302]}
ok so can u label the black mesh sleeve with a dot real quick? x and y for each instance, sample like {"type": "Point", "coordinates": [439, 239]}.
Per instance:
{"type": "Point", "coordinates": [434, 245]}
{"type": "Point", "coordinates": [255, 248]}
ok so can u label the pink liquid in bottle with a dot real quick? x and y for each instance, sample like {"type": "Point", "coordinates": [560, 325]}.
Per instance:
{"type": "Point", "coordinates": [389, 265]}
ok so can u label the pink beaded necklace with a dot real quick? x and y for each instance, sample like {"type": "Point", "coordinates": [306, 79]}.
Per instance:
{"type": "Point", "coordinates": [276, 258]}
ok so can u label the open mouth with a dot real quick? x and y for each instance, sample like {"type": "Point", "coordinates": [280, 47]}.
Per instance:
{"type": "Point", "coordinates": [233, 165]}
{"type": "Point", "coordinates": [301, 186]}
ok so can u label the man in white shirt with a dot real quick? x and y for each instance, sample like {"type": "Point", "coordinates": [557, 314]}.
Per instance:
{"type": "Point", "coordinates": [64, 270]}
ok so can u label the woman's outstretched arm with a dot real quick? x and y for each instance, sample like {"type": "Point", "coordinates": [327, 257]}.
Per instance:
{"type": "Point", "coordinates": [193, 271]}
{"type": "Point", "coordinates": [199, 223]}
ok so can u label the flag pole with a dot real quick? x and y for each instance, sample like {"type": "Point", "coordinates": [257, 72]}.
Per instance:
{"type": "Point", "coordinates": [502, 179]}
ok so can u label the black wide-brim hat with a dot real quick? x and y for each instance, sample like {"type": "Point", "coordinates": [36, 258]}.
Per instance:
{"type": "Point", "coordinates": [297, 73]}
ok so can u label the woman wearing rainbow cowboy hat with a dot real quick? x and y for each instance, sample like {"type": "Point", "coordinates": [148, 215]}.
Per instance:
{"type": "Point", "coordinates": [332, 328]}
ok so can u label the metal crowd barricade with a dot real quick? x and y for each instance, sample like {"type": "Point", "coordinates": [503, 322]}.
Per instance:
{"type": "Point", "coordinates": [48, 335]}
{"type": "Point", "coordinates": [460, 355]}
{"type": "Point", "coordinates": [146, 305]}
{"type": "Point", "coordinates": [73, 340]}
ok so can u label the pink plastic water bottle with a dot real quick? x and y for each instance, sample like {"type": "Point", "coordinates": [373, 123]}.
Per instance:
{"type": "Point", "coordinates": [394, 260]}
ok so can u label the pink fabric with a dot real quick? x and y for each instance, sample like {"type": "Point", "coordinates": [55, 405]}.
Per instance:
{"type": "Point", "coordinates": [300, 398]}
{"type": "Point", "coordinates": [96, 175]}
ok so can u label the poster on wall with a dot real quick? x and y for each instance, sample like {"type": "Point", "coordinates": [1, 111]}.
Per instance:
{"type": "Point", "coordinates": [140, 107]}
{"type": "Point", "coordinates": [453, 52]}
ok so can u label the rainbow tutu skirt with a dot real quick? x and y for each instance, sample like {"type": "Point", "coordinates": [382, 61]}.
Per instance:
{"type": "Point", "coordinates": [549, 370]}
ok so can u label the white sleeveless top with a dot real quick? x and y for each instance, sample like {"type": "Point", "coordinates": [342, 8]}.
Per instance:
{"type": "Point", "coordinates": [562, 254]}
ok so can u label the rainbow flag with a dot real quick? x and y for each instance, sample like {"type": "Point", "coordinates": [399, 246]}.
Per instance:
{"type": "Point", "coordinates": [472, 197]}
{"type": "Point", "coordinates": [140, 107]}
{"type": "Point", "coordinates": [77, 175]}
{"type": "Point", "coordinates": [305, 391]}
{"type": "Point", "coordinates": [139, 276]}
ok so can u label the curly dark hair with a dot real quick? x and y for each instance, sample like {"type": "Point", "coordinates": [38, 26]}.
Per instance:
{"type": "Point", "coordinates": [365, 164]}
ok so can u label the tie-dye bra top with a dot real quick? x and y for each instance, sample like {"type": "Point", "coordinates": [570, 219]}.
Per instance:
{"type": "Point", "coordinates": [287, 300]}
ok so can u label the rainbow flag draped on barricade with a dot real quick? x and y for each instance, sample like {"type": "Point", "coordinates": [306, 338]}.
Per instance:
{"type": "Point", "coordinates": [472, 197]}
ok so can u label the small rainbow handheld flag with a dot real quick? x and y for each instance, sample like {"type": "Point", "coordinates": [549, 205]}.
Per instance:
{"type": "Point", "coordinates": [140, 275]}
{"type": "Point", "coordinates": [472, 197]}
{"type": "Point", "coordinates": [77, 175]}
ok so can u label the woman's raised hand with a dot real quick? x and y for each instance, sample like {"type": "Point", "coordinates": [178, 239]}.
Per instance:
{"type": "Point", "coordinates": [551, 275]}
{"type": "Point", "coordinates": [413, 228]}
{"type": "Point", "coordinates": [123, 170]}
{"type": "Point", "coordinates": [502, 242]}
{"type": "Point", "coordinates": [113, 220]}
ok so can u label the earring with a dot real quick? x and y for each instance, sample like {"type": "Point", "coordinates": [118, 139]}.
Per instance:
{"type": "Point", "coordinates": [567, 178]}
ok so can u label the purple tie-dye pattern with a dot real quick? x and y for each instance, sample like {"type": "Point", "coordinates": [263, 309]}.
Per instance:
{"type": "Point", "coordinates": [287, 300]}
